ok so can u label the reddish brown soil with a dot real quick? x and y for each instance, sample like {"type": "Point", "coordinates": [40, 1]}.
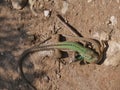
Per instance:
{"type": "Point", "coordinates": [87, 18]}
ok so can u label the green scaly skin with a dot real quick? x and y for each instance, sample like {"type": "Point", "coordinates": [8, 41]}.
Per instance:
{"type": "Point", "coordinates": [87, 54]}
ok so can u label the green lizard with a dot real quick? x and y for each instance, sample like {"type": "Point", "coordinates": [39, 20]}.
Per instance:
{"type": "Point", "coordinates": [87, 54]}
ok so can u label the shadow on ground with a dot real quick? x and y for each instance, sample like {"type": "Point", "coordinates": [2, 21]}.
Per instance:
{"type": "Point", "coordinates": [11, 37]}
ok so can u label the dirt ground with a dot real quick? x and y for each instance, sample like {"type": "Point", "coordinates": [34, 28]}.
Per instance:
{"type": "Point", "coordinates": [21, 29]}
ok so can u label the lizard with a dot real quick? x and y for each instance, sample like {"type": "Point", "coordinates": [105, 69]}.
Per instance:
{"type": "Point", "coordinates": [86, 54]}
{"type": "Point", "coordinates": [99, 46]}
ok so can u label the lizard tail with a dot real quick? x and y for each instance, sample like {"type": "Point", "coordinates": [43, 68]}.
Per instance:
{"type": "Point", "coordinates": [21, 69]}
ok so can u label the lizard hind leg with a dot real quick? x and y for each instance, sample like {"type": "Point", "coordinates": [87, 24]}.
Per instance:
{"type": "Point", "coordinates": [79, 58]}
{"type": "Point", "coordinates": [76, 57]}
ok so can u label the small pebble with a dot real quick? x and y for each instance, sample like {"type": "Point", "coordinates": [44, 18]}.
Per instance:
{"type": "Point", "coordinates": [31, 37]}
{"type": "Point", "coordinates": [113, 20]}
{"type": "Point", "coordinates": [113, 54]}
{"type": "Point", "coordinates": [18, 4]}
{"type": "Point", "coordinates": [58, 76]}
{"type": "Point", "coordinates": [89, 1]}
{"type": "Point", "coordinates": [118, 1]}
{"type": "Point", "coordinates": [47, 13]}
{"type": "Point", "coordinates": [64, 7]}
{"type": "Point", "coordinates": [46, 78]}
